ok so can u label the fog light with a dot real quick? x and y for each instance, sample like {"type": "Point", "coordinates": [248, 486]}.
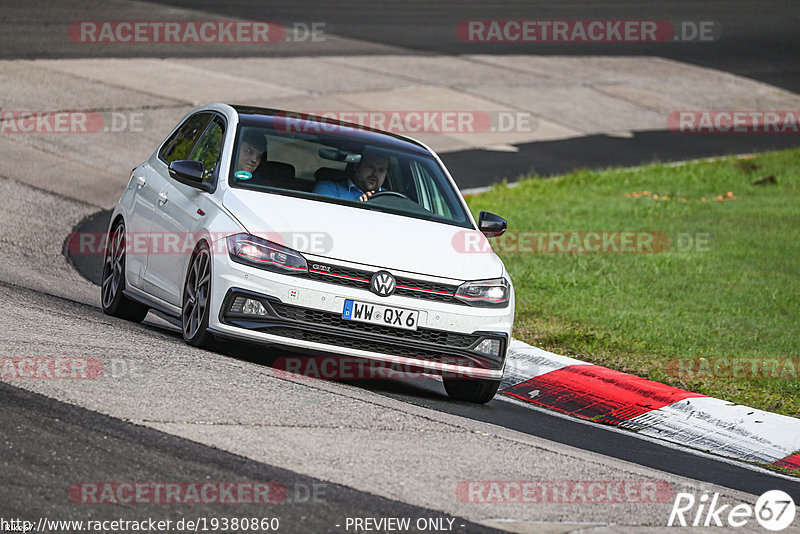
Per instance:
{"type": "Point", "coordinates": [253, 307]}
{"type": "Point", "coordinates": [248, 306]}
{"type": "Point", "coordinates": [489, 346]}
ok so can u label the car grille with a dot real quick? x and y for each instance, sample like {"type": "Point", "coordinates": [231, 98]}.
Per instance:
{"type": "Point", "coordinates": [328, 328]}
{"type": "Point", "coordinates": [371, 345]}
{"type": "Point", "coordinates": [424, 335]}
{"type": "Point", "coordinates": [408, 287]}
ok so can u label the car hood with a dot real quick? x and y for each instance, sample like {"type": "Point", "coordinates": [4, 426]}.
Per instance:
{"type": "Point", "coordinates": [365, 236]}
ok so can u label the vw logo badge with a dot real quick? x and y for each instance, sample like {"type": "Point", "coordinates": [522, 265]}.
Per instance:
{"type": "Point", "coordinates": [382, 283]}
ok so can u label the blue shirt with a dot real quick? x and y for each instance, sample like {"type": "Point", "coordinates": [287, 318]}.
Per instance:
{"type": "Point", "coordinates": [347, 190]}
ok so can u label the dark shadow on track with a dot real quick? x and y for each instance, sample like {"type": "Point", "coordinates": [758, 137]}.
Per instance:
{"type": "Point", "coordinates": [478, 168]}
{"type": "Point", "coordinates": [48, 446]}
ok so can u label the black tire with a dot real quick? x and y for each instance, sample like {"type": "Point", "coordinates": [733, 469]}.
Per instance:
{"type": "Point", "coordinates": [477, 390]}
{"type": "Point", "coordinates": [195, 303]}
{"type": "Point", "coordinates": [113, 282]}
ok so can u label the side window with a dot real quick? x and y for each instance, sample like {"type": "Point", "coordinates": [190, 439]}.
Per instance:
{"type": "Point", "coordinates": [209, 149]}
{"type": "Point", "coordinates": [179, 146]}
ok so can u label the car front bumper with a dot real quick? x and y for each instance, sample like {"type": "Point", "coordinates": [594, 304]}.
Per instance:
{"type": "Point", "coordinates": [306, 314]}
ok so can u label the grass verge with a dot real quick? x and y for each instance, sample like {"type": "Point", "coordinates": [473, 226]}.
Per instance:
{"type": "Point", "coordinates": [714, 308]}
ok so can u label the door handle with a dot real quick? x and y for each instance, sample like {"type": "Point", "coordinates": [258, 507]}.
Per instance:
{"type": "Point", "coordinates": [162, 198]}
{"type": "Point", "coordinates": [140, 182]}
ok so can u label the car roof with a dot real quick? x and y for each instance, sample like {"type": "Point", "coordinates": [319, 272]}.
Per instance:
{"type": "Point", "coordinates": [287, 120]}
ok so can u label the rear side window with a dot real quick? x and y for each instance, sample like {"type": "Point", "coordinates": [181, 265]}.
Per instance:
{"type": "Point", "coordinates": [179, 146]}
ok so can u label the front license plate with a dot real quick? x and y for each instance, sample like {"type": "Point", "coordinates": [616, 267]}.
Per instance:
{"type": "Point", "coordinates": [376, 314]}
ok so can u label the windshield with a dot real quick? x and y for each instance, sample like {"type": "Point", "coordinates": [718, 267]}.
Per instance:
{"type": "Point", "coordinates": [341, 169]}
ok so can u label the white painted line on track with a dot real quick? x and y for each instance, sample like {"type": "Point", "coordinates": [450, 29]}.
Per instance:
{"type": "Point", "coordinates": [723, 428]}
{"type": "Point", "coordinates": [644, 437]}
{"type": "Point", "coordinates": [526, 361]}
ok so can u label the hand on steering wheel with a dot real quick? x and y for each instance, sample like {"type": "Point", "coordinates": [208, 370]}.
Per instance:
{"type": "Point", "coordinates": [370, 195]}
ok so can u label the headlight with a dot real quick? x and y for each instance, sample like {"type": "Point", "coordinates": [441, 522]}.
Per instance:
{"type": "Point", "coordinates": [485, 293]}
{"type": "Point", "coordinates": [257, 252]}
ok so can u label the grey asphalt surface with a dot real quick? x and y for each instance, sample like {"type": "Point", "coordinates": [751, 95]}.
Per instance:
{"type": "Point", "coordinates": [47, 446]}
{"type": "Point", "coordinates": [759, 39]}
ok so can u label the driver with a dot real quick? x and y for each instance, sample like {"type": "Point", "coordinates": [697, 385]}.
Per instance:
{"type": "Point", "coordinates": [367, 178]}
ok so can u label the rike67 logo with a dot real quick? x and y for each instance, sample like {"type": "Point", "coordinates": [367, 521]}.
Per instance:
{"type": "Point", "coordinates": [774, 510]}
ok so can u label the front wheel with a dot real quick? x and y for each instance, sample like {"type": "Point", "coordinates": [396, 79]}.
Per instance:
{"type": "Point", "coordinates": [196, 300]}
{"type": "Point", "coordinates": [114, 302]}
{"type": "Point", "coordinates": [477, 390]}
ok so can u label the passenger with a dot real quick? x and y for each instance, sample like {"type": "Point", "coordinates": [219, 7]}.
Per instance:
{"type": "Point", "coordinates": [252, 165]}
{"type": "Point", "coordinates": [252, 150]}
{"type": "Point", "coordinates": [367, 178]}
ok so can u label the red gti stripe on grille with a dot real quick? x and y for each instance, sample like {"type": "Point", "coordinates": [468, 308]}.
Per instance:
{"type": "Point", "coordinates": [367, 281]}
{"type": "Point", "coordinates": [426, 290]}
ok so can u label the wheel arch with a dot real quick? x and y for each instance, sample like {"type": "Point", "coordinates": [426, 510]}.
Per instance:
{"type": "Point", "coordinates": [115, 219]}
{"type": "Point", "coordinates": [200, 242]}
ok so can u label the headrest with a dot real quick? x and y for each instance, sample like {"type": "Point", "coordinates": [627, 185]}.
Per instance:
{"type": "Point", "coordinates": [276, 170]}
{"type": "Point", "coordinates": [330, 175]}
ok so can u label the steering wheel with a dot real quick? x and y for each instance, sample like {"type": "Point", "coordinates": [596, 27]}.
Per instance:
{"type": "Point", "coordinates": [388, 193]}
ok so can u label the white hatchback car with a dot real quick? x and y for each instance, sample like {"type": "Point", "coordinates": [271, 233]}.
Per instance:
{"type": "Point", "coordinates": [293, 230]}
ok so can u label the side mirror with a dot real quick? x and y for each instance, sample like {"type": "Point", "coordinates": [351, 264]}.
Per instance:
{"type": "Point", "coordinates": [491, 225]}
{"type": "Point", "coordinates": [190, 173]}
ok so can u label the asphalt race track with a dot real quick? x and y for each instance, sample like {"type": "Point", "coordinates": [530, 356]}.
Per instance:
{"type": "Point", "coordinates": [758, 39]}
{"type": "Point", "coordinates": [85, 444]}
{"type": "Point", "coordinates": [163, 411]}
{"type": "Point", "coordinates": [546, 158]}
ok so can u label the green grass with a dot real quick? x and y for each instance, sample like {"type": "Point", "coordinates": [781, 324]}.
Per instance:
{"type": "Point", "coordinates": [737, 297]}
